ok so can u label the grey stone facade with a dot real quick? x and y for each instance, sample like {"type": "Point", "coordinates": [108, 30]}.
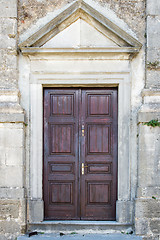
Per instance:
{"type": "Point", "coordinates": [20, 92]}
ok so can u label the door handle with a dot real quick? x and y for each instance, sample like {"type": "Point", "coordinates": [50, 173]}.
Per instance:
{"type": "Point", "coordinates": [82, 130]}
{"type": "Point", "coordinates": [83, 168]}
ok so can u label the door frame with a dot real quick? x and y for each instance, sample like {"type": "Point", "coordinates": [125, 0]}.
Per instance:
{"type": "Point", "coordinates": [124, 204]}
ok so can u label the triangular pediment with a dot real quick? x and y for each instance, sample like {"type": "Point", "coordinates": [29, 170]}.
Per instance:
{"type": "Point", "coordinates": [81, 26]}
{"type": "Point", "coordinates": [79, 34]}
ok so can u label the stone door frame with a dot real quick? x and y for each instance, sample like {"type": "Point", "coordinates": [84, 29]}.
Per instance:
{"type": "Point", "coordinates": [91, 66]}
{"type": "Point", "coordinates": [37, 82]}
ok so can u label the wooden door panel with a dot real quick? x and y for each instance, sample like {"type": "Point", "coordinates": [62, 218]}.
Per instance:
{"type": "Point", "coordinates": [99, 168]}
{"type": "Point", "coordinates": [62, 105]}
{"type": "Point", "coordinates": [69, 194]}
{"type": "Point", "coordinates": [98, 105]}
{"type": "Point", "coordinates": [99, 154]}
{"type": "Point", "coordinates": [61, 168]}
{"type": "Point", "coordinates": [98, 139]}
{"type": "Point", "coordinates": [61, 192]}
{"type": "Point", "coordinates": [57, 168]}
{"type": "Point", "coordinates": [62, 139]}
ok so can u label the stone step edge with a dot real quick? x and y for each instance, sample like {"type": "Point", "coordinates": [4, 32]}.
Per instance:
{"type": "Point", "coordinates": [96, 227]}
{"type": "Point", "coordinates": [85, 223]}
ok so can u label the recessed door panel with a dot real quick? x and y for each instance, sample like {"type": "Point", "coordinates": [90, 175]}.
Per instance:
{"type": "Point", "coordinates": [80, 153]}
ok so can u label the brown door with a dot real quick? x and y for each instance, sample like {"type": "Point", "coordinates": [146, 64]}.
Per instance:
{"type": "Point", "coordinates": [80, 153]}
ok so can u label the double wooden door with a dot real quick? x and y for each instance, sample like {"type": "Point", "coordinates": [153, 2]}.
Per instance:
{"type": "Point", "coordinates": [80, 153]}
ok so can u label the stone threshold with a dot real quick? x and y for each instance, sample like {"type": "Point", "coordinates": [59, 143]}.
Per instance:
{"type": "Point", "coordinates": [80, 226]}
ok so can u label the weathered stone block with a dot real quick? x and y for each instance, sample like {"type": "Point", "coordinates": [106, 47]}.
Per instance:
{"type": "Point", "coordinates": [153, 7]}
{"type": "Point", "coordinates": [3, 237]}
{"type": "Point", "coordinates": [148, 192]}
{"type": "Point", "coordinates": [153, 55]}
{"type": "Point", "coordinates": [155, 226]}
{"type": "Point", "coordinates": [8, 8]}
{"type": "Point", "coordinates": [11, 176]}
{"type": "Point", "coordinates": [11, 193]}
{"type": "Point", "coordinates": [9, 208]}
{"type": "Point", "coordinates": [11, 137]}
{"type": "Point", "coordinates": [124, 211]}
{"type": "Point", "coordinates": [7, 42]}
{"type": "Point", "coordinates": [147, 208]}
{"type": "Point", "coordinates": [153, 26]}
{"type": "Point", "coordinates": [8, 79]}
{"type": "Point", "coordinates": [149, 155]}
{"type": "Point", "coordinates": [12, 125]}
{"type": "Point", "coordinates": [8, 26]}
{"type": "Point", "coordinates": [14, 117]}
{"type": "Point", "coordinates": [12, 156]}
{"type": "Point", "coordinates": [7, 60]}
{"type": "Point", "coordinates": [9, 227]}
{"type": "Point", "coordinates": [36, 210]}
{"type": "Point", "coordinates": [141, 226]}
{"type": "Point", "coordinates": [153, 79]}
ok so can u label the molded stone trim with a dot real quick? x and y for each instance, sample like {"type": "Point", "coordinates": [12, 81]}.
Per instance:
{"type": "Point", "coordinates": [33, 50]}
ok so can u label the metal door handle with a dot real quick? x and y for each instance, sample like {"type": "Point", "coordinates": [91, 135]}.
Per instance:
{"type": "Point", "coordinates": [82, 130]}
{"type": "Point", "coordinates": [83, 168]}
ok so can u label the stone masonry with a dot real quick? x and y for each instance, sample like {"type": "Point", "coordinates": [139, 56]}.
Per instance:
{"type": "Point", "coordinates": [142, 17]}
{"type": "Point", "coordinates": [12, 170]}
{"type": "Point", "coordinates": [147, 211]}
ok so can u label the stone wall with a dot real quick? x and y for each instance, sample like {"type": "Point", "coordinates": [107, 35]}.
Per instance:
{"type": "Point", "coordinates": [12, 167]}
{"type": "Point", "coordinates": [147, 211]}
{"type": "Point", "coordinates": [153, 44]}
{"type": "Point", "coordinates": [12, 202]}
{"type": "Point", "coordinates": [12, 122]}
{"type": "Point", "coordinates": [8, 44]}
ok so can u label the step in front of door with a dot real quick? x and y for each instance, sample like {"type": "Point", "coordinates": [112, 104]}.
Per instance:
{"type": "Point", "coordinates": [80, 227]}
{"type": "Point", "coordinates": [56, 236]}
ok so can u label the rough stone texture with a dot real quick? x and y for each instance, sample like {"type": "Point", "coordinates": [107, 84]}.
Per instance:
{"type": "Point", "coordinates": [147, 221]}
{"type": "Point", "coordinates": [8, 44]}
{"type": "Point", "coordinates": [12, 130]}
{"type": "Point", "coordinates": [53, 236]}
{"type": "Point", "coordinates": [34, 208]}
{"type": "Point", "coordinates": [9, 226]}
{"type": "Point", "coordinates": [153, 44]}
{"type": "Point", "coordinates": [153, 7]}
{"type": "Point", "coordinates": [12, 205]}
{"type": "Point", "coordinates": [147, 206]}
{"type": "Point", "coordinates": [141, 226]}
{"type": "Point", "coordinates": [12, 165]}
{"type": "Point", "coordinates": [155, 226]}
{"type": "Point", "coordinates": [153, 78]}
{"type": "Point", "coordinates": [11, 133]}
{"type": "Point", "coordinates": [9, 208]}
{"type": "Point", "coordinates": [149, 154]}
{"type": "Point", "coordinates": [8, 9]}
{"type": "Point", "coordinates": [153, 21]}
{"type": "Point", "coordinates": [125, 211]}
